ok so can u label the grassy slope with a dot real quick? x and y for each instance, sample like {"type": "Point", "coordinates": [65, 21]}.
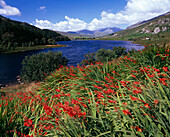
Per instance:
{"type": "Point", "coordinates": [128, 96]}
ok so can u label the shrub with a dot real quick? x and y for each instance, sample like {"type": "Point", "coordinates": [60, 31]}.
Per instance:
{"type": "Point", "coordinates": [89, 58]}
{"type": "Point", "coordinates": [119, 51]}
{"type": "Point", "coordinates": [103, 55]}
{"type": "Point", "coordinates": [36, 67]}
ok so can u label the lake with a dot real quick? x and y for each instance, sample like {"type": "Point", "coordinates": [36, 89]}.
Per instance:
{"type": "Point", "coordinates": [10, 64]}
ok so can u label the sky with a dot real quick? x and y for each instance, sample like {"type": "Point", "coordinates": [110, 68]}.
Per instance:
{"type": "Point", "coordinates": [74, 15]}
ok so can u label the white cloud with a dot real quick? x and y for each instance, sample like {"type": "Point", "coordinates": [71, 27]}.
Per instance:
{"type": "Point", "coordinates": [8, 10]}
{"type": "Point", "coordinates": [42, 7]}
{"type": "Point", "coordinates": [134, 11]}
{"type": "Point", "coordinates": [70, 24]}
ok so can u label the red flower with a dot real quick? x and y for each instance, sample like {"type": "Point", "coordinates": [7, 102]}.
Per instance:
{"type": "Point", "coordinates": [133, 76]}
{"type": "Point", "coordinates": [124, 103]}
{"type": "Point", "coordinates": [139, 129]}
{"type": "Point", "coordinates": [126, 112]}
{"type": "Point", "coordinates": [156, 101]}
{"type": "Point", "coordinates": [137, 91]}
{"type": "Point", "coordinates": [165, 69]}
{"type": "Point", "coordinates": [136, 83]}
{"type": "Point", "coordinates": [57, 90]}
{"type": "Point", "coordinates": [147, 105]}
{"type": "Point", "coordinates": [57, 95]}
{"type": "Point", "coordinates": [133, 98]}
{"type": "Point", "coordinates": [45, 134]}
{"type": "Point", "coordinates": [28, 123]}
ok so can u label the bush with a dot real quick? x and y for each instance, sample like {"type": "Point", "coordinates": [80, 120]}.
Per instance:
{"type": "Point", "coordinates": [119, 51]}
{"type": "Point", "coordinates": [89, 58]}
{"type": "Point", "coordinates": [103, 55]}
{"type": "Point", "coordinates": [36, 67]}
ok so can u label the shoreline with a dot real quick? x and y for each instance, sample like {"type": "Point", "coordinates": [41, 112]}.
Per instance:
{"type": "Point", "coordinates": [133, 42]}
{"type": "Point", "coordinates": [54, 46]}
{"type": "Point", "coordinates": [21, 49]}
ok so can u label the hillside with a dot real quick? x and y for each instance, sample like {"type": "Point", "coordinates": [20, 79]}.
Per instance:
{"type": "Point", "coordinates": [15, 34]}
{"type": "Point", "coordinates": [155, 30]}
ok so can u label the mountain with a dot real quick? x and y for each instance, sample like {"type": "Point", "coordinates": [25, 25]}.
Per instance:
{"type": "Point", "coordinates": [82, 32]}
{"type": "Point", "coordinates": [106, 31]}
{"type": "Point", "coordinates": [143, 22]}
{"type": "Point", "coordinates": [74, 35]}
{"type": "Point", "coordinates": [154, 30]}
{"type": "Point", "coordinates": [15, 34]}
{"type": "Point", "coordinates": [96, 33]}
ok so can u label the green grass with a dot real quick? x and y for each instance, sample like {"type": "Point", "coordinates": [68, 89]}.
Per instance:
{"type": "Point", "coordinates": [128, 96]}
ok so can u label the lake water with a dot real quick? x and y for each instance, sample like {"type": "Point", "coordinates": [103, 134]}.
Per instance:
{"type": "Point", "coordinates": [10, 64]}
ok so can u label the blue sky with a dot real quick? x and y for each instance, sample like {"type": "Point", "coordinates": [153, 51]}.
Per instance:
{"type": "Point", "coordinates": [73, 15]}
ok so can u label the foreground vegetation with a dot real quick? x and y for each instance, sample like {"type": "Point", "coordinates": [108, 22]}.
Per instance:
{"type": "Point", "coordinates": [128, 96]}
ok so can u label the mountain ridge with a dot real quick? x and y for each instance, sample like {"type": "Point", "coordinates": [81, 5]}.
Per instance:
{"type": "Point", "coordinates": [96, 33]}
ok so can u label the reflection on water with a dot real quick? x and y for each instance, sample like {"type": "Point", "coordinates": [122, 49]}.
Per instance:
{"type": "Point", "coordinates": [10, 64]}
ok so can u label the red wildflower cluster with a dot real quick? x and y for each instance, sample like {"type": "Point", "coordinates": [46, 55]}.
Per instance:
{"type": "Point", "coordinates": [137, 128]}
{"type": "Point", "coordinates": [28, 123]}
{"type": "Point", "coordinates": [126, 112]}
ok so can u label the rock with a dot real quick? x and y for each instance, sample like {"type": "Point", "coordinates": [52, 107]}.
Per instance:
{"type": "Point", "coordinates": [164, 28]}
{"type": "Point", "coordinates": [143, 30]}
{"type": "Point", "coordinates": [156, 30]}
{"type": "Point", "coordinates": [150, 23]}
{"type": "Point", "coordinates": [147, 31]}
{"type": "Point", "coordinates": [2, 86]}
{"type": "Point", "coordinates": [161, 21]}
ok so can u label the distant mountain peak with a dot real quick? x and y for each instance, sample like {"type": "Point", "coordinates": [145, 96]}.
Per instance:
{"type": "Point", "coordinates": [96, 33]}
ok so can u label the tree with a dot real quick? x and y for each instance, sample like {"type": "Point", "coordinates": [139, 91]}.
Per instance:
{"type": "Point", "coordinates": [37, 66]}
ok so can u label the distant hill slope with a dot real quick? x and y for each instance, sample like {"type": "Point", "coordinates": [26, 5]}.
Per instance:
{"type": "Point", "coordinates": [143, 22]}
{"type": "Point", "coordinates": [16, 34]}
{"type": "Point", "coordinates": [154, 30]}
{"type": "Point", "coordinates": [96, 33]}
